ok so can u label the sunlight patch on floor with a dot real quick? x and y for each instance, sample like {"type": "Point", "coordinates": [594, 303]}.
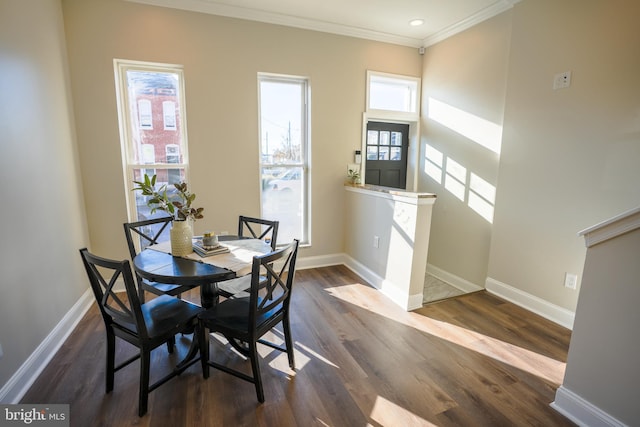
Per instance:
{"type": "Point", "coordinates": [303, 355]}
{"type": "Point", "coordinates": [371, 299]}
{"type": "Point", "coordinates": [387, 413]}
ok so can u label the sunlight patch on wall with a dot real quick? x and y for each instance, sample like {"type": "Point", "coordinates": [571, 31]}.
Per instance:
{"type": "Point", "coordinates": [481, 193]}
{"type": "Point", "coordinates": [477, 129]}
{"type": "Point", "coordinates": [455, 178]}
{"type": "Point", "coordinates": [433, 163]}
{"type": "Point", "coordinates": [482, 197]}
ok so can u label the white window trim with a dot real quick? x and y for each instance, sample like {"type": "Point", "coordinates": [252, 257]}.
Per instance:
{"type": "Point", "coordinates": [390, 114]}
{"type": "Point", "coordinates": [306, 164]}
{"type": "Point", "coordinates": [124, 118]}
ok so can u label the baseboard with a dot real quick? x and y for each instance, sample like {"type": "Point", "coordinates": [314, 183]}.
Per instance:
{"type": "Point", "coordinates": [412, 302]}
{"type": "Point", "coordinates": [580, 411]}
{"type": "Point", "coordinates": [453, 280]}
{"type": "Point", "coordinates": [549, 311]}
{"type": "Point", "coordinates": [19, 383]}
{"type": "Point", "coordinates": [319, 261]}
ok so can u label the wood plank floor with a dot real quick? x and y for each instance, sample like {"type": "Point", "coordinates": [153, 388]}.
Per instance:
{"type": "Point", "coordinates": [361, 361]}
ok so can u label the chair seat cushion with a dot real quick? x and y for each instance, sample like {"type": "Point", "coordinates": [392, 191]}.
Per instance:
{"type": "Point", "coordinates": [233, 315]}
{"type": "Point", "coordinates": [166, 316]}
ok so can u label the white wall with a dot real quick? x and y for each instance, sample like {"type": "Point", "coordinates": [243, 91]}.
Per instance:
{"type": "Point", "coordinates": [43, 221]}
{"type": "Point", "coordinates": [602, 375]}
{"type": "Point", "coordinates": [387, 240]}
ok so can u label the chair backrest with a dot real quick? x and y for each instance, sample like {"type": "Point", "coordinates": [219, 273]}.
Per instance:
{"type": "Point", "coordinates": [271, 298]}
{"type": "Point", "coordinates": [259, 228]}
{"type": "Point", "coordinates": [149, 232]}
{"type": "Point", "coordinates": [104, 274]}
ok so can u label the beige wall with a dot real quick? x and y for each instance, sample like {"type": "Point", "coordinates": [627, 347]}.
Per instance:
{"type": "Point", "coordinates": [43, 221]}
{"type": "Point", "coordinates": [569, 157]}
{"type": "Point", "coordinates": [221, 58]}
{"type": "Point", "coordinates": [468, 72]}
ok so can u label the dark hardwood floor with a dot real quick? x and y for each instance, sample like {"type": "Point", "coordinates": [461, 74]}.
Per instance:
{"type": "Point", "coordinates": [474, 360]}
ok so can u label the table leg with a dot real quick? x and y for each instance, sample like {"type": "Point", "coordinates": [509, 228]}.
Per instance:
{"type": "Point", "coordinates": [209, 294]}
{"type": "Point", "coordinates": [208, 298]}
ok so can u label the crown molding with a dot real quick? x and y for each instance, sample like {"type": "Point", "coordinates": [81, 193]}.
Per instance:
{"type": "Point", "coordinates": [465, 24]}
{"type": "Point", "coordinates": [229, 11]}
{"type": "Point", "coordinates": [211, 8]}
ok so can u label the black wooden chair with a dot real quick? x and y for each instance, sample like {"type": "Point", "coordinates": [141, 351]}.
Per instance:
{"type": "Point", "coordinates": [259, 228]}
{"type": "Point", "coordinates": [149, 232]}
{"type": "Point", "coordinates": [256, 228]}
{"type": "Point", "coordinates": [146, 326]}
{"type": "Point", "coordinates": [248, 319]}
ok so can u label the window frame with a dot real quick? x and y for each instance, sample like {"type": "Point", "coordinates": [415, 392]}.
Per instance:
{"type": "Point", "coordinates": [407, 116]}
{"type": "Point", "coordinates": [305, 164]}
{"type": "Point", "coordinates": [127, 146]}
{"type": "Point", "coordinates": [392, 116]}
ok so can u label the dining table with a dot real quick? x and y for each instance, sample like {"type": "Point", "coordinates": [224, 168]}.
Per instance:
{"type": "Point", "coordinates": [155, 263]}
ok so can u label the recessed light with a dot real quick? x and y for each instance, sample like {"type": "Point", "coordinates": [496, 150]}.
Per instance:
{"type": "Point", "coordinates": [416, 22]}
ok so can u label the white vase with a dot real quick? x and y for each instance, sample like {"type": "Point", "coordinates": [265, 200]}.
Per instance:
{"type": "Point", "coordinates": [181, 238]}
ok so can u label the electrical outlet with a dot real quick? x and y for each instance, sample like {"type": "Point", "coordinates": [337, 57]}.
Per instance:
{"type": "Point", "coordinates": [376, 241]}
{"type": "Point", "coordinates": [570, 280]}
{"type": "Point", "coordinates": [562, 80]}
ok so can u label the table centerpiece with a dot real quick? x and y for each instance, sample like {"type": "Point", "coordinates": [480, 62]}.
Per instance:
{"type": "Point", "coordinates": [178, 205]}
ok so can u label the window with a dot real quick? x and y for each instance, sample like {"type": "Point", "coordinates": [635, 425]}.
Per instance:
{"type": "Point", "coordinates": [284, 148]}
{"type": "Point", "coordinates": [393, 93]}
{"type": "Point", "coordinates": [152, 128]}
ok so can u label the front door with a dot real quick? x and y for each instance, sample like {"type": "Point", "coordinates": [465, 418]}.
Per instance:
{"type": "Point", "coordinates": [387, 148]}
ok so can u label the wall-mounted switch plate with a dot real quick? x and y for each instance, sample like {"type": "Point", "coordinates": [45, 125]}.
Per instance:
{"type": "Point", "coordinates": [570, 280]}
{"type": "Point", "coordinates": [1, 353]}
{"type": "Point", "coordinates": [376, 241]}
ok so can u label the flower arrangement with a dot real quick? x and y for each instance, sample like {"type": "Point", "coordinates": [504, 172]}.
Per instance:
{"type": "Point", "coordinates": [178, 204]}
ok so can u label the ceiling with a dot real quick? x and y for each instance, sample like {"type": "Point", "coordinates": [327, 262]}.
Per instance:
{"type": "Point", "coordinates": [381, 20]}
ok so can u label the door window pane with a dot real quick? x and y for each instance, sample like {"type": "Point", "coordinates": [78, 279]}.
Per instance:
{"type": "Point", "coordinates": [384, 138]}
{"type": "Point", "coordinates": [372, 137]}
{"type": "Point", "coordinates": [372, 152]}
{"type": "Point", "coordinates": [396, 138]}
